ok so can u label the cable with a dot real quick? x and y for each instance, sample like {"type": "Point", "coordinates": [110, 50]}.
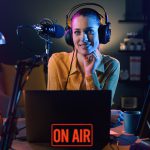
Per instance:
{"type": "Point", "coordinates": [114, 140]}
{"type": "Point", "coordinates": [69, 70]}
{"type": "Point", "coordinates": [144, 114]}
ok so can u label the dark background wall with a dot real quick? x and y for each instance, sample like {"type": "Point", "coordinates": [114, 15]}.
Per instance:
{"type": "Point", "coordinates": [26, 12]}
{"type": "Point", "coordinates": [29, 12]}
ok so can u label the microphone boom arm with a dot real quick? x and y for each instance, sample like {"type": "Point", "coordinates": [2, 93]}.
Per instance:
{"type": "Point", "coordinates": [9, 128]}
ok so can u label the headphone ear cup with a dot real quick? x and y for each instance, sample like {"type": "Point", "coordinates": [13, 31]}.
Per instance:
{"type": "Point", "coordinates": [68, 37]}
{"type": "Point", "coordinates": [104, 33]}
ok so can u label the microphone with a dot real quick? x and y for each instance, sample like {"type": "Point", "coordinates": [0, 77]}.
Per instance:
{"type": "Point", "coordinates": [52, 30]}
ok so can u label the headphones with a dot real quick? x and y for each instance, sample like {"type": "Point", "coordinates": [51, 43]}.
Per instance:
{"type": "Point", "coordinates": [104, 30]}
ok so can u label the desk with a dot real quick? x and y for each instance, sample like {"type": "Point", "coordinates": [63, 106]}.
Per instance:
{"type": "Point", "coordinates": [117, 131]}
{"type": "Point", "coordinates": [24, 145]}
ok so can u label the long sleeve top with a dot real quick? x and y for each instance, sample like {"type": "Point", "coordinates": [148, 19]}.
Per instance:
{"type": "Point", "coordinates": [106, 74]}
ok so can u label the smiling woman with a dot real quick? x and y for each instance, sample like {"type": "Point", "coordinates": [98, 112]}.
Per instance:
{"type": "Point", "coordinates": [85, 68]}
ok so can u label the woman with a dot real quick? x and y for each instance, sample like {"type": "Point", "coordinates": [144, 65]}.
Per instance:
{"type": "Point", "coordinates": [85, 68]}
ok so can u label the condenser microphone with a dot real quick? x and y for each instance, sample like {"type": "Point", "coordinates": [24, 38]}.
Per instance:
{"type": "Point", "coordinates": [52, 30]}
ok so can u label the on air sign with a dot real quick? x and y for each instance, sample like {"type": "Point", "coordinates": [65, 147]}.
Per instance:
{"type": "Point", "coordinates": [72, 135]}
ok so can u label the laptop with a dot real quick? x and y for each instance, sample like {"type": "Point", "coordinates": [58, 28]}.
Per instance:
{"type": "Point", "coordinates": [45, 109]}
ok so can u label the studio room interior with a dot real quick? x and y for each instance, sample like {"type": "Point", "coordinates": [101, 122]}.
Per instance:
{"type": "Point", "coordinates": [34, 55]}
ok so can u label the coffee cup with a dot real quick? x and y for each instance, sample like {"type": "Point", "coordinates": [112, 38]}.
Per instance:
{"type": "Point", "coordinates": [131, 120]}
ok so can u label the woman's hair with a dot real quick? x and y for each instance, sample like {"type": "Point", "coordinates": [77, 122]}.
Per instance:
{"type": "Point", "coordinates": [87, 12]}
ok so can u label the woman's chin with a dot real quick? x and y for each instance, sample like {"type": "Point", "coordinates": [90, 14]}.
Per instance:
{"type": "Point", "coordinates": [85, 51]}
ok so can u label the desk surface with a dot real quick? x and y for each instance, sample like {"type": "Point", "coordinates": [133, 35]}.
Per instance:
{"type": "Point", "coordinates": [24, 145]}
{"type": "Point", "coordinates": [124, 140]}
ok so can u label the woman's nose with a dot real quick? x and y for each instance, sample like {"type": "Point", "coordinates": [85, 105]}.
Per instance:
{"type": "Point", "coordinates": [84, 37]}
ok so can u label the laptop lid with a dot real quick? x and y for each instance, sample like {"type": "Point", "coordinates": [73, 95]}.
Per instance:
{"type": "Point", "coordinates": [47, 108]}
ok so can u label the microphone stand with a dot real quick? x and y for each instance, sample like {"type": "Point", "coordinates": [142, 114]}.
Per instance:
{"type": "Point", "coordinates": [47, 54]}
{"type": "Point", "coordinates": [9, 129]}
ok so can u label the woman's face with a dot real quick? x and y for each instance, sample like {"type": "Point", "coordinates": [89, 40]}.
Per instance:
{"type": "Point", "coordinates": [85, 34]}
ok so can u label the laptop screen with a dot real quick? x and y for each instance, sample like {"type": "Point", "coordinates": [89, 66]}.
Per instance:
{"type": "Point", "coordinates": [68, 110]}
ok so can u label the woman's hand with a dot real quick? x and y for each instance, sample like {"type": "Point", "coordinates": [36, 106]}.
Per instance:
{"type": "Point", "coordinates": [116, 116]}
{"type": "Point", "coordinates": [89, 62]}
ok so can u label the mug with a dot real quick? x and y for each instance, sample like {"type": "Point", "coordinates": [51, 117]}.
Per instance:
{"type": "Point", "coordinates": [131, 120]}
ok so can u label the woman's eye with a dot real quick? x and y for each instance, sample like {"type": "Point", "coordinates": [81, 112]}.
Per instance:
{"type": "Point", "coordinates": [90, 32]}
{"type": "Point", "coordinates": [77, 32]}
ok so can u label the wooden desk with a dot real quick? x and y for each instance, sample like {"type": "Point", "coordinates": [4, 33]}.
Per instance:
{"type": "Point", "coordinates": [24, 145]}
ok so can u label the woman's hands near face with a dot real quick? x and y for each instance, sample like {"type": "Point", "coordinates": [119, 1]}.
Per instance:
{"type": "Point", "coordinates": [89, 61]}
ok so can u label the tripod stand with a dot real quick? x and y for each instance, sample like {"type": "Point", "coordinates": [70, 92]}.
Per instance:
{"type": "Point", "coordinates": [9, 129]}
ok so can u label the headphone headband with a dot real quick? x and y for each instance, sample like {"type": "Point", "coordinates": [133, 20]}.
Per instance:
{"type": "Point", "coordinates": [84, 4]}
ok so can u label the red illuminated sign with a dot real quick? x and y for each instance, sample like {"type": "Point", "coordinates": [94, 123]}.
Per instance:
{"type": "Point", "coordinates": [71, 135]}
